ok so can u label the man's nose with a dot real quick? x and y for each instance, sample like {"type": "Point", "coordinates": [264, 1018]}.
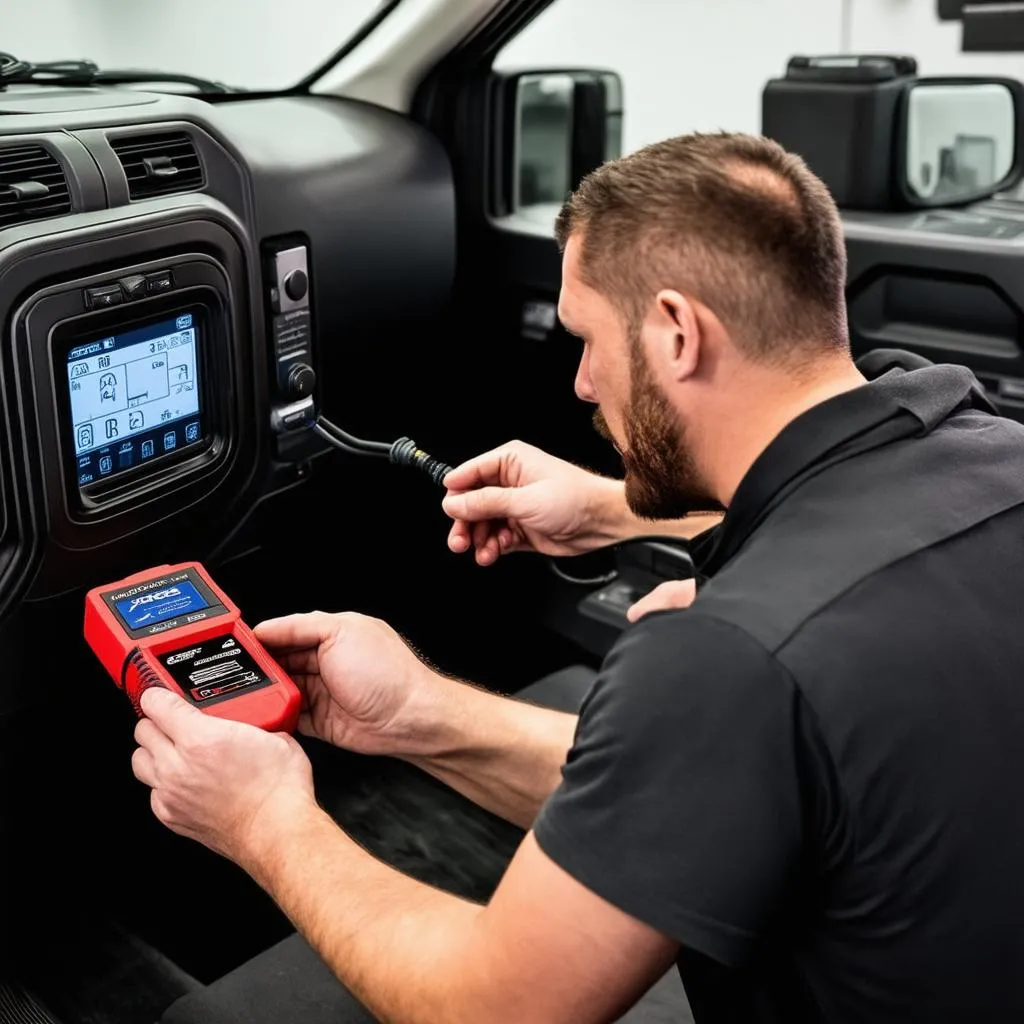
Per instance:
{"type": "Point", "coordinates": [584, 385]}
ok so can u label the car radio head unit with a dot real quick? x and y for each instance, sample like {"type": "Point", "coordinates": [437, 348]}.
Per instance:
{"type": "Point", "coordinates": [134, 396]}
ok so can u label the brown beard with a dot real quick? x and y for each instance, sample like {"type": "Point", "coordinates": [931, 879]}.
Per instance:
{"type": "Point", "coordinates": [662, 477]}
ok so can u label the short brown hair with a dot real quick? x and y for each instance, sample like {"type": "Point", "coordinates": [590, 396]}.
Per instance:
{"type": "Point", "coordinates": [733, 221]}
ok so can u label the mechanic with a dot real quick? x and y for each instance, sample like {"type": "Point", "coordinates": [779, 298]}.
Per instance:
{"type": "Point", "coordinates": [807, 788]}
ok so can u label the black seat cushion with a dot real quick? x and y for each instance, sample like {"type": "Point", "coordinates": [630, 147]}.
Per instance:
{"type": "Point", "coordinates": [287, 982]}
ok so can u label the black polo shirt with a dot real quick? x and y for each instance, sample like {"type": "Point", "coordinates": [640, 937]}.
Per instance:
{"type": "Point", "coordinates": [813, 779]}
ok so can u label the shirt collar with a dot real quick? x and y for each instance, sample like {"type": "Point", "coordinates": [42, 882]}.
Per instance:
{"type": "Point", "coordinates": [899, 404]}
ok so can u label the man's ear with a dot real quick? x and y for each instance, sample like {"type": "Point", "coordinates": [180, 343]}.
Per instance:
{"type": "Point", "coordinates": [677, 334]}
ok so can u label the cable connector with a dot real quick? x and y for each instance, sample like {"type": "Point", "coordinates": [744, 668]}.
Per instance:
{"type": "Point", "coordinates": [404, 452]}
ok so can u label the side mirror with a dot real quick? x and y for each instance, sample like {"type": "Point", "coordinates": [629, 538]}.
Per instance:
{"type": "Point", "coordinates": [557, 127]}
{"type": "Point", "coordinates": [958, 140]}
{"type": "Point", "coordinates": [881, 138]}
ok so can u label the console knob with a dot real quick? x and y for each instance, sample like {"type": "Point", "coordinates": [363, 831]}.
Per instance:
{"type": "Point", "coordinates": [296, 284]}
{"type": "Point", "coordinates": [301, 380]}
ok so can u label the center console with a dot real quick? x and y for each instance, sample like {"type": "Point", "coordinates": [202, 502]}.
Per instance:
{"type": "Point", "coordinates": [183, 285]}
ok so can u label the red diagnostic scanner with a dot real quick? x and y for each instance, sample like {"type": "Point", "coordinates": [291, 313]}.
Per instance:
{"type": "Point", "coordinates": [172, 626]}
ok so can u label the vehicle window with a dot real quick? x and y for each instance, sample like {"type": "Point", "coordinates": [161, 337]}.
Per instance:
{"type": "Point", "coordinates": [257, 45]}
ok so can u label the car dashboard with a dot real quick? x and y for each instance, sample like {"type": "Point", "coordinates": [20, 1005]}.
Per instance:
{"type": "Point", "coordinates": [180, 283]}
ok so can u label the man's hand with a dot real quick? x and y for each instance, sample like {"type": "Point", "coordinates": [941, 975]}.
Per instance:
{"type": "Point", "coordinates": [363, 687]}
{"type": "Point", "coordinates": [674, 594]}
{"type": "Point", "coordinates": [519, 498]}
{"type": "Point", "coordinates": [213, 780]}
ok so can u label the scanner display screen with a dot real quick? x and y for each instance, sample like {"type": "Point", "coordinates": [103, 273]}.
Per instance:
{"type": "Point", "coordinates": [134, 396]}
{"type": "Point", "coordinates": [145, 609]}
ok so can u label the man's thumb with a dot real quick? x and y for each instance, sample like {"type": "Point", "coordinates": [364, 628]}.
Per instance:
{"type": "Point", "coordinates": [166, 709]}
{"type": "Point", "coordinates": [483, 503]}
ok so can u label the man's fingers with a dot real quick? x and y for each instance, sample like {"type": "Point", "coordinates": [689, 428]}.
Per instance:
{"type": "Point", "coordinates": [300, 663]}
{"type": "Point", "coordinates": [674, 594]}
{"type": "Point", "coordinates": [489, 543]}
{"type": "Point", "coordinates": [478, 471]}
{"type": "Point", "coordinates": [489, 552]}
{"type": "Point", "coordinates": [306, 726]}
{"type": "Point", "coordinates": [295, 632]}
{"type": "Point", "coordinates": [143, 767]}
{"type": "Point", "coordinates": [481, 504]}
{"type": "Point", "coordinates": [149, 736]}
{"type": "Point", "coordinates": [482, 533]}
{"type": "Point", "coordinates": [172, 714]}
{"type": "Point", "coordinates": [459, 537]}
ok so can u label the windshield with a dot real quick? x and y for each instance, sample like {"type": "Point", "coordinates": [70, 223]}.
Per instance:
{"type": "Point", "coordinates": [258, 45]}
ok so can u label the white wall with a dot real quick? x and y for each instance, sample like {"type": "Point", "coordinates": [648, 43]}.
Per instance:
{"type": "Point", "coordinates": [686, 64]}
{"type": "Point", "coordinates": [42, 30]}
{"type": "Point", "coordinates": [691, 65]}
{"type": "Point", "coordinates": [911, 26]}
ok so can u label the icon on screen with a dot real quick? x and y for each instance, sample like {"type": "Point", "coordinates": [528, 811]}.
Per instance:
{"type": "Point", "coordinates": [108, 342]}
{"type": "Point", "coordinates": [85, 478]}
{"type": "Point", "coordinates": [170, 440]}
{"type": "Point", "coordinates": [85, 436]}
{"type": "Point", "coordinates": [147, 449]}
{"type": "Point", "coordinates": [106, 464]}
{"type": "Point", "coordinates": [111, 427]}
{"type": "Point", "coordinates": [183, 322]}
{"type": "Point", "coordinates": [108, 387]}
{"type": "Point", "coordinates": [192, 432]}
{"type": "Point", "coordinates": [136, 420]}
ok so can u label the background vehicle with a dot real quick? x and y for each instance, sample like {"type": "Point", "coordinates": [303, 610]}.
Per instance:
{"type": "Point", "coordinates": [404, 178]}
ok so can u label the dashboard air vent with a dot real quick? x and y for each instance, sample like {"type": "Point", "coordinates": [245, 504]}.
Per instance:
{"type": "Point", "coordinates": [159, 164]}
{"type": "Point", "coordinates": [33, 185]}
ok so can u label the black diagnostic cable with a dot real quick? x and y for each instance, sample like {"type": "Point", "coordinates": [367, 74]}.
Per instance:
{"type": "Point", "coordinates": [403, 452]}
{"type": "Point", "coordinates": [86, 72]}
{"type": "Point", "coordinates": [59, 72]}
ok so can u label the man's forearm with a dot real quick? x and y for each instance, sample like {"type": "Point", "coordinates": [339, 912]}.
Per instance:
{"type": "Point", "coordinates": [404, 949]}
{"type": "Point", "coordinates": [503, 754]}
{"type": "Point", "coordinates": [616, 522]}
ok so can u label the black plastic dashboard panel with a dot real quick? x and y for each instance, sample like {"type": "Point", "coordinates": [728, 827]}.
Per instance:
{"type": "Point", "coordinates": [203, 246]}
{"type": "Point", "coordinates": [85, 183]}
{"type": "Point", "coordinates": [370, 193]}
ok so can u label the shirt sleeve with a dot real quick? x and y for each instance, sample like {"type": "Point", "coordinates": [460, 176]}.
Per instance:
{"type": "Point", "coordinates": [680, 800]}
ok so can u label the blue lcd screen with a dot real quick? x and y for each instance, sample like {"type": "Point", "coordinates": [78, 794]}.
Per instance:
{"type": "Point", "coordinates": [159, 605]}
{"type": "Point", "coordinates": [134, 397]}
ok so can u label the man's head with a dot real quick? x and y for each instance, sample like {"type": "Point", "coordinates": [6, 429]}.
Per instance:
{"type": "Point", "coordinates": [686, 265]}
